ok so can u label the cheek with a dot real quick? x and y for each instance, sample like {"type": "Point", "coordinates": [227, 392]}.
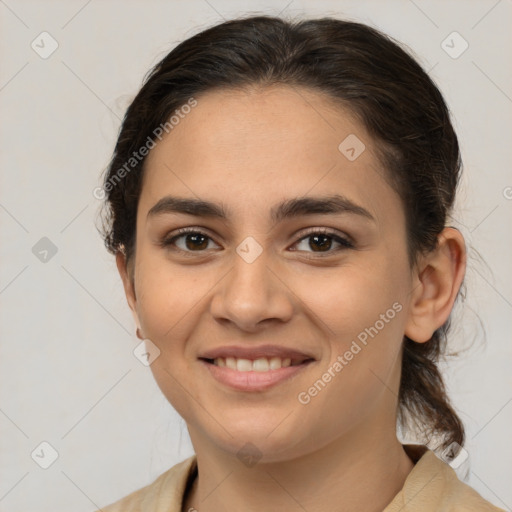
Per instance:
{"type": "Point", "coordinates": [365, 316]}
{"type": "Point", "coordinates": [166, 301]}
{"type": "Point", "coordinates": [362, 313]}
{"type": "Point", "coordinates": [166, 297]}
{"type": "Point", "coordinates": [351, 298]}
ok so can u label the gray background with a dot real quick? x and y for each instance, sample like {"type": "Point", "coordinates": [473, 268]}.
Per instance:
{"type": "Point", "coordinates": [68, 375]}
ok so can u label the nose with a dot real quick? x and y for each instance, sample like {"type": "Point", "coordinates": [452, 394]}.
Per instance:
{"type": "Point", "coordinates": [252, 295]}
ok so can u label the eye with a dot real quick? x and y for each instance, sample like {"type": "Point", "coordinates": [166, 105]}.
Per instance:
{"type": "Point", "coordinates": [321, 241]}
{"type": "Point", "coordinates": [188, 240]}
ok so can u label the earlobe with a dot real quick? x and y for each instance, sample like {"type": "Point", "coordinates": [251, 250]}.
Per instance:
{"type": "Point", "coordinates": [437, 282]}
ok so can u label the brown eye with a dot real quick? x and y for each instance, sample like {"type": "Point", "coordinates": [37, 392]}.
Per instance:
{"type": "Point", "coordinates": [188, 240]}
{"type": "Point", "coordinates": [195, 241]}
{"type": "Point", "coordinates": [321, 241]}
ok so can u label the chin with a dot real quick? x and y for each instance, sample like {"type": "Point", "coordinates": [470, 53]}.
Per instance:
{"type": "Point", "coordinates": [265, 440]}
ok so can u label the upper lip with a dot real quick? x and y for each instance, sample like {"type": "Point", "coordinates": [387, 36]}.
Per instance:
{"type": "Point", "coordinates": [244, 352]}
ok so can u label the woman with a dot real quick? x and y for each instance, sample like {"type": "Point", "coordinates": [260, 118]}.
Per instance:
{"type": "Point", "coordinates": [277, 205]}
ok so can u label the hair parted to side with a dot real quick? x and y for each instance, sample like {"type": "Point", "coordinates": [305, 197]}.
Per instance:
{"type": "Point", "coordinates": [366, 72]}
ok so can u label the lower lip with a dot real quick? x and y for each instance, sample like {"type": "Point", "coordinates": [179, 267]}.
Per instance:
{"type": "Point", "coordinates": [253, 381]}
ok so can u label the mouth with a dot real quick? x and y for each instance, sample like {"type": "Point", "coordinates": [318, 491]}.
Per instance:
{"type": "Point", "coordinates": [255, 369]}
{"type": "Point", "coordinates": [260, 364]}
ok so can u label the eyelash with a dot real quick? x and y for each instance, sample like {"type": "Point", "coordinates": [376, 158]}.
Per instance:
{"type": "Point", "coordinates": [344, 242]}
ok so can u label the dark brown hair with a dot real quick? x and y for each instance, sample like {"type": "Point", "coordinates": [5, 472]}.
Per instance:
{"type": "Point", "coordinates": [380, 83]}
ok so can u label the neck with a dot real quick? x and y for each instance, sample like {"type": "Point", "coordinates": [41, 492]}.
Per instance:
{"type": "Point", "coordinates": [355, 479]}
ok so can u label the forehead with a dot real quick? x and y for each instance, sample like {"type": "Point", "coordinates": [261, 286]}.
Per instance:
{"type": "Point", "coordinates": [286, 123]}
{"type": "Point", "coordinates": [253, 148]}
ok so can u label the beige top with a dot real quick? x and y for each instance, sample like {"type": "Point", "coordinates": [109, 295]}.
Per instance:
{"type": "Point", "coordinates": [431, 486]}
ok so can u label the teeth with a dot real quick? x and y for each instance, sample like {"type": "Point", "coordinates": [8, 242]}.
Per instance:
{"type": "Point", "coordinates": [261, 364]}
{"type": "Point", "coordinates": [243, 365]}
{"type": "Point", "coordinates": [275, 363]}
{"type": "Point", "coordinates": [230, 362]}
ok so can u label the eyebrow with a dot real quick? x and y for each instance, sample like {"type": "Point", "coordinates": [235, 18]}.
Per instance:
{"type": "Point", "coordinates": [295, 207]}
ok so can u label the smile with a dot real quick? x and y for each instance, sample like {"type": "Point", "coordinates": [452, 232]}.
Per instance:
{"type": "Point", "coordinates": [254, 375]}
{"type": "Point", "coordinates": [262, 364]}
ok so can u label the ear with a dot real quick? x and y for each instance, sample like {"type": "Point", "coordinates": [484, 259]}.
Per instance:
{"type": "Point", "coordinates": [128, 284]}
{"type": "Point", "coordinates": [438, 278]}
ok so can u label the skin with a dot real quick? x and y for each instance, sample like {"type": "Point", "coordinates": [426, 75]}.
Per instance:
{"type": "Point", "coordinates": [250, 150]}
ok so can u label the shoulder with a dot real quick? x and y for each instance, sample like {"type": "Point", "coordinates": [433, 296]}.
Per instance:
{"type": "Point", "coordinates": [434, 485]}
{"type": "Point", "coordinates": [165, 494]}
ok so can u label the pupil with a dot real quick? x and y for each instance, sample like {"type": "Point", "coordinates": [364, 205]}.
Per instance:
{"type": "Point", "coordinates": [194, 244]}
{"type": "Point", "coordinates": [326, 244]}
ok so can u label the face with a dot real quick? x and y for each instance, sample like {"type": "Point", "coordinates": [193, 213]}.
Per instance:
{"type": "Point", "coordinates": [299, 262]}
